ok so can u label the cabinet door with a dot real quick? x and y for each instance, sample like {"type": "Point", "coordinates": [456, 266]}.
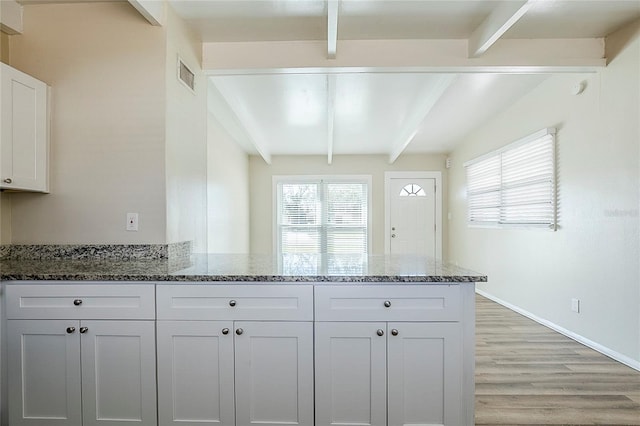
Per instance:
{"type": "Point", "coordinates": [424, 373]}
{"type": "Point", "coordinates": [118, 373]}
{"type": "Point", "coordinates": [351, 374]}
{"type": "Point", "coordinates": [24, 131]}
{"type": "Point", "coordinates": [44, 373]}
{"type": "Point", "coordinates": [274, 373]}
{"type": "Point", "coordinates": [195, 373]}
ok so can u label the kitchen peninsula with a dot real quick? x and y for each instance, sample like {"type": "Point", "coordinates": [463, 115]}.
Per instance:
{"type": "Point", "coordinates": [238, 340]}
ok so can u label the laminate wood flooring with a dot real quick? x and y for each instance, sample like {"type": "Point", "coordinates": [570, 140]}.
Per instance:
{"type": "Point", "coordinates": [528, 374]}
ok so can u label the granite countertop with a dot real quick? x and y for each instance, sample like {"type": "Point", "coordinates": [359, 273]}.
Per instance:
{"type": "Point", "coordinates": [252, 268]}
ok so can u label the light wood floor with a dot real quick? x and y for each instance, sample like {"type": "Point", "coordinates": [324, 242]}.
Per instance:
{"type": "Point", "coordinates": [527, 374]}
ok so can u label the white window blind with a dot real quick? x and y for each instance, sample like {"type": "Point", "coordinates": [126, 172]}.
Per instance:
{"type": "Point", "coordinates": [322, 216]}
{"type": "Point", "coordinates": [514, 186]}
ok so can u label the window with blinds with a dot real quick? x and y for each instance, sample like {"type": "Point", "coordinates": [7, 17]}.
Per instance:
{"type": "Point", "coordinates": [515, 185]}
{"type": "Point", "coordinates": [324, 215]}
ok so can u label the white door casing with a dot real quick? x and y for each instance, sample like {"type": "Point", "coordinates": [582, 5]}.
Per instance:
{"type": "Point", "coordinates": [417, 219]}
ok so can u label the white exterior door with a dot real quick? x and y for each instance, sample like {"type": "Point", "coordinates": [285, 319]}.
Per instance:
{"type": "Point", "coordinates": [195, 373]}
{"type": "Point", "coordinates": [351, 386]}
{"type": "Point", "coordinates": [424, 373]}
{"type": "Point", "coordinates": [23, 131]}
{"type": "Point", "coordinates": [118, 373]}
{"type": "Point", "coordinates": [412, 221]}
{"type": "Point", "coordinates": [44, 373]}
{"type": "Point", "coordinates": [274, 373]}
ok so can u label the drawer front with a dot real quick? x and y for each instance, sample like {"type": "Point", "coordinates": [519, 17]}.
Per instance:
{"type": "Point", "coordinates": [235, 302]}
{"type": "Point", "coordinates": [80, 301]}
{"type": "Point", "coordinates": [388, 303]}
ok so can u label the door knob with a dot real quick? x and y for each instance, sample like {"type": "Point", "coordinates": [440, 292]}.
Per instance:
{"type": "Point", "coordinates": [225, 331]}
{"type": "Point", "coordinates": [71, 330]}
{"type": "Point", "coordinates": [7, 180]}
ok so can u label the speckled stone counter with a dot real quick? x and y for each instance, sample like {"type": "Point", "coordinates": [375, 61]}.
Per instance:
{"type": "Point", "coordinates": [244, 268]}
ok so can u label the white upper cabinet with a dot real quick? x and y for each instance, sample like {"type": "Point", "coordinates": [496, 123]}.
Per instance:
{"type": "Point", "coordinates": [24, 134]}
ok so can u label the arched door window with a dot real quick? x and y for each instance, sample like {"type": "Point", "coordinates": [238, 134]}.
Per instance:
{"type": "Point", "coordinates": [412, 190]}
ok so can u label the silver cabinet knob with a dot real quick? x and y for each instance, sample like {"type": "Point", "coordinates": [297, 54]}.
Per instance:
{"type": "Point", "coordinates": [393, 228]}
{"type": "Point", "coordinates": [7, 180]}
{"type": "Point", "coordinates": [380, 332]}
{"type": "Point", "coordinates": [71, 330]}
{"type": "Point", "coordinates": [77, 302]}
{"type": "Point", "coordinates": [239, 331]}
{"type": "Point", "coordinates": [225, 331]}
{"type": "Point", "coordinates": [84, 329]}
{"type": "Point", "coordinates": [394, 332]}
{"type": "Point", "coordinates": [232, 303]}
{"type": "Point", "coordinates": [387, 303]}
{"type": "Point", "coordinates": [393, 235]}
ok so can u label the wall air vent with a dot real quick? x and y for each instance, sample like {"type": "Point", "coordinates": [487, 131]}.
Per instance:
{"type": "Point", "coordinates": [186, 76]}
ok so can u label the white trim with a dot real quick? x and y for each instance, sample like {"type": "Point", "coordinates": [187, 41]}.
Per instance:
{"type": "Point", "coordinates": [437, 176]}
{"type": "Point", "coordinates": [532, 137]}
{"type": "Point", "coordinates": [276, 179]}
{"type": "Point", "coordinates": [617, 356]}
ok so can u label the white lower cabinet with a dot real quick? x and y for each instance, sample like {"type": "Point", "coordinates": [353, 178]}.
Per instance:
{"type": "Point", "coordinates": [81, 354]}
{"type": "Point", "coordinates": [241, 372]}
{"type": "Point", "coordinates": [68, 373]}
{"type": "Point", "coordinates": [388, 372]}
{"type": "Point", "coordinates": [239, 355]}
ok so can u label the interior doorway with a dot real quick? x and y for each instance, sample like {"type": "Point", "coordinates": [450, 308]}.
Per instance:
{"type": "Point", "coordinates": [413, 213]}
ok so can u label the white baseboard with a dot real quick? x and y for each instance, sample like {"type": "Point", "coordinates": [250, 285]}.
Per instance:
{"type": "Point", "coordinates": [570, 334]}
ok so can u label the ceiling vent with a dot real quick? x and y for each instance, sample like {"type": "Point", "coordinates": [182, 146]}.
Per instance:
{"type": "Point", "coordinates": [186, 76]}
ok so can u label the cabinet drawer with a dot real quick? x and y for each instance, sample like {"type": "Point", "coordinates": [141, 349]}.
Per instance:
{"type": "Point", "coordinates": [235, 302]}
{"type": "Point", "coordinates": [388, 303]}
{"type": "Point", "coordinates": [80, 301]}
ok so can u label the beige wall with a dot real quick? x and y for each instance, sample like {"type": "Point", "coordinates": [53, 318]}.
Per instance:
{"type": "Point", "coordinates": [595, 255]}
{"type": "Point", "coordinates": [228, 192]}
{"type": "Point", "coordinates": [186, 139]}
{"type": "Point", "coordinates": [374, 165]}
{"type": "Point", "coordinates": [105, 65]}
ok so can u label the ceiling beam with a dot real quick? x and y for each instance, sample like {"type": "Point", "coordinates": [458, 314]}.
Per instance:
{"type": "Point", "coordinates": [331, 114]}
{"type": "Point", "coordinates": [152, 10]}
{"type": "Point", "coordinates": [495, 25]}
{"type": "Point", "coordinates": [223, 105]}
{"type": "Point", "coordinates": [10, 17]}
{"type": "Point", "coordinates": [332, 28]}
{"type": "Point", "coordinates": [420, 112]}
{"type": "Point", "coordinates": [439, 56]}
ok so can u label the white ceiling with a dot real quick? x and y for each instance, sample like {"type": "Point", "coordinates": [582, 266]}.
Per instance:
{"type": "Point", "coordinates": [330, 112]}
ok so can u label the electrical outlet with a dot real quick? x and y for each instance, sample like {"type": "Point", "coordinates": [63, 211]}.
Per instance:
{"type": "Point", "coordinates": [575, 305]}
{"type": "Point", "coordinates": [132, 221]}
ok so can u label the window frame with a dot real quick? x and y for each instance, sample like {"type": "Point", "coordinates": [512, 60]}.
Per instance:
{"type": "Point", "coordinates": [283, 179]}
{"type": "Point", "coordinates": [498, 153]}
